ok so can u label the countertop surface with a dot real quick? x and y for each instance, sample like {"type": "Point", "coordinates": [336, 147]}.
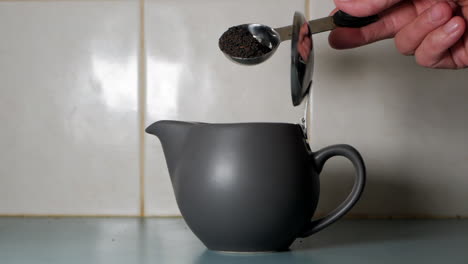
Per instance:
{"type": "Point", "coordinates": [169, 240]}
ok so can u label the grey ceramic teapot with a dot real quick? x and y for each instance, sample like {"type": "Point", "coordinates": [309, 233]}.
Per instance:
{"type": "Point", "coordinates": [249, 187]}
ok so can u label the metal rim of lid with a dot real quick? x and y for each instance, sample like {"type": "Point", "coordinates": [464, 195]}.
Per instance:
{"type": "Point", "coordinates": [301, 71]}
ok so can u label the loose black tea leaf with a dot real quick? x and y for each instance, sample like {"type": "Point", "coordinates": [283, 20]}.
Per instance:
{"type": "Point", "coordinates": [239, 42]}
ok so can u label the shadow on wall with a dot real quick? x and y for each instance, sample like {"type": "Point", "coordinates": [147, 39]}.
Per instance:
{"type": "Point", "coordinates": [382, 196]}
{"type": "Point", "coordinates": [357, 232]}
{"type": "Point", "coordinates": [408, 122]}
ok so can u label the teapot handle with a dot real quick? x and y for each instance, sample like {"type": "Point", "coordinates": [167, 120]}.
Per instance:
{"type": "Point", "coordinates": [320, 157]}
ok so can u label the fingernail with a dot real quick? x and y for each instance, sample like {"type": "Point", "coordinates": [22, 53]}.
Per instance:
{"type": "Point", "coordinates": [436, 14]}
{"type": "Point", "coordinates": [451, 27]}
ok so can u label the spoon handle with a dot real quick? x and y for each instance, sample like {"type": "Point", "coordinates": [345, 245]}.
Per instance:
{"type": "Point", "coordinates": [322, 25]}
{"type": "Point", "coordinates": [340, 19]}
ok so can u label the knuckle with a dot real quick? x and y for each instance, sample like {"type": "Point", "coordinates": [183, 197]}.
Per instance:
{"type": "Point", "coordinates": [402, 48]}
{"type": "Point", "coordinates": [438, 14]}
{"type": "Point", "coordinates": [423, 60]}
{"type": "Point", "coordinates": [390, 24]}
{"type": "Point", "coordinates": [461, 58]}
{"type": "Point", "coordinates": [408, 53]}
{"type": "Point", "coordinates": [369, 36]}
{"type": "Point", "coordinates": [434, 42]}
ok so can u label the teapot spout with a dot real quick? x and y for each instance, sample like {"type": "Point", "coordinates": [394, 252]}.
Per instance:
{"type": "Point", "coordinates": [172, 135]}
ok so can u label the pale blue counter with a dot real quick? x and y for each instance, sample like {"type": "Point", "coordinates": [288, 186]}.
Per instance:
{"type": "Point", "coordinates": [153, 240]}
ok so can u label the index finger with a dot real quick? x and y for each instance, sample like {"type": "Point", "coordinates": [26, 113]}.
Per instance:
{"type": "Point", "coordinates": [389, 23]}
{"type": "Point", "coordinates": [362, 8]}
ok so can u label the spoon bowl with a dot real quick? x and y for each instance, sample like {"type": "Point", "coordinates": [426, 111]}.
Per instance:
{"type": "Point", "coordinates": [272, 37]}
{"type": "Point", "coordinates": [266, 35]}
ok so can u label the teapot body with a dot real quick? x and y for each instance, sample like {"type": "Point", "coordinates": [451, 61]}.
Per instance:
{"type": "Point", "coordinates": [246, 187]}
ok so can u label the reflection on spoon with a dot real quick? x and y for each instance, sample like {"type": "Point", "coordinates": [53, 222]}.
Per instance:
{"type": "Point", "coordinates": [304, 45]}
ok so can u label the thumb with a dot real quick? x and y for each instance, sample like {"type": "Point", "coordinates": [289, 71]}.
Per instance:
{"type": "Point", "coordinates": [362, 8]}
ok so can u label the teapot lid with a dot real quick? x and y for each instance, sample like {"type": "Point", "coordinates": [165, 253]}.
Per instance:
{"type": "Point", "coordinates": [302, 58]}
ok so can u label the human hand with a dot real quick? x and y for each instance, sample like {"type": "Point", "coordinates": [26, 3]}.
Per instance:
{"type": "Point", "coordinates": [434, 31]}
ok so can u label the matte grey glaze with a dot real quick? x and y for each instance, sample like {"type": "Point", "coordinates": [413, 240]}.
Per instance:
{"type": "Point", "coordinates": [249, 186]}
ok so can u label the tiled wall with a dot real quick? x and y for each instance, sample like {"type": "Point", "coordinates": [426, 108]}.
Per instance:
{"type": "Point", "coordinates": [69, 107]}
{"type": "Point", "coordinates": [81, 79]}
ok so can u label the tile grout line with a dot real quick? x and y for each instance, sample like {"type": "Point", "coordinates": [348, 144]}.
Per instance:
{"type": "Point", "coordinates": [71, 215]}
{"type": "Point", "coordinates": [142, 107]}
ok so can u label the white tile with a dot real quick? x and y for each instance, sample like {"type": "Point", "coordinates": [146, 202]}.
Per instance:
{"type": "Point", "coordinates": [68, 107]}
{"type": "Point", "coordinates": [408, 122]}
{"type": "Point", "coordinates": [190, 79]}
